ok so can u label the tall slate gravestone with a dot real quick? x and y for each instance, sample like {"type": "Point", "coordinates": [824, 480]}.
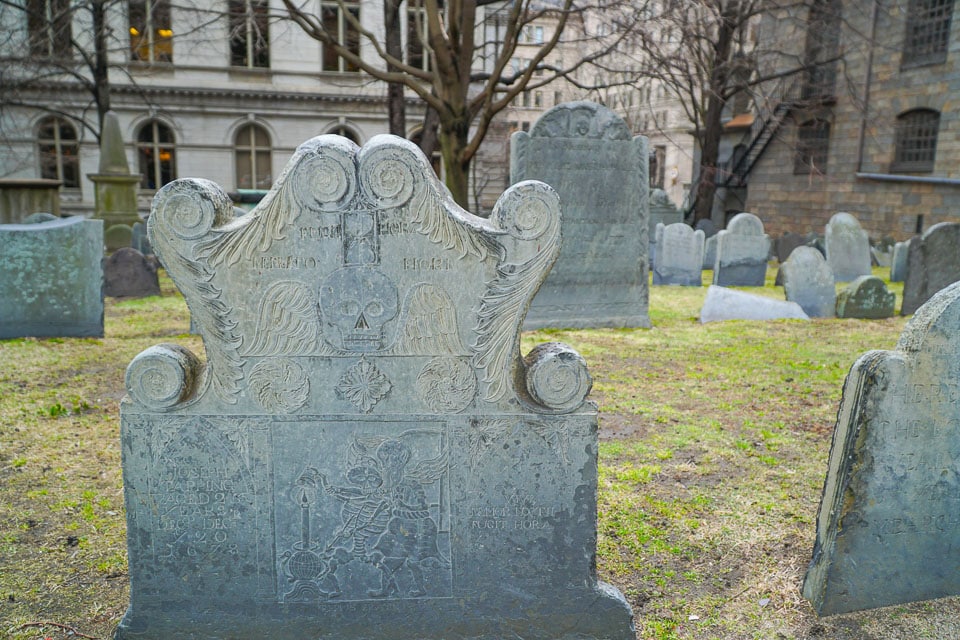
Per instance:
{"type": "Point", "coordinates": [364, 454]}
{"type": "Point", "coordinates": [127, 273]}
{"type": "Point", "coordinates": [808, 281]}
{"type": "Point", "coordinates": [847, 248]}
{"type": "Point", "coordinates": [933, 262]}
{"type": "Point", "coordinates": [866, 297]}
{"type": "Point", "coordinates": [51, 279]}
{"type": "Point", "coordinates": [679, 255]}
{"type": "Point", "coordinates": [898, 263]}
{"type": "Point", "coordinates": [662, 211]}
{"type": "Point", "coordinates": [585, 152]}
{"type": "Point", "coordinates": [742, 251]}
{"type": "Point", "coordinates": [888, 526]}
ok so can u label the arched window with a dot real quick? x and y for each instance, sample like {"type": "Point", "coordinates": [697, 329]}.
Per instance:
{"type": "Point", "coordinates": [156, 154]}
{"type": "Point", "coordinates": [346, 132]}
{"type": "Point", "coordinates": [252, 155]}
{"type": "Point", "coordinates": [916, 140]}
{"type": "Point", "coordinates": [928, 32]}
{"type": "Point", "coordinates": [813, 147]}
{"type": "Point", "coordinates": [58, 151]}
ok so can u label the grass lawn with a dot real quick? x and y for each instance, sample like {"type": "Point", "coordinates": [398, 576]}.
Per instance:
{"type": "Point", "coordinates": [714, 441]}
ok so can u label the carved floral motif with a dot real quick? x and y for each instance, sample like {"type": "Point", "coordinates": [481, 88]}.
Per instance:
{"type": "Point", "coordinates": [363, 385]}
{"type": "Point", "coordinates": [447, 385]}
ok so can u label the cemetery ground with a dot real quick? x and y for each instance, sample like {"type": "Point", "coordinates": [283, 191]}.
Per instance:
{"type": "Point", "coordinates": [714, 442]}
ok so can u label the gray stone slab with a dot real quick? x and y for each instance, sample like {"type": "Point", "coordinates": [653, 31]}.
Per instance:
{"type": "Point", "coordinates": [866, 297]}
{"type": "Point", "coordinates": [898, 263]}
{"type": "Point", "coordinates": [139, 239]}
{"type": "Point", "coordinates": [51, 279]}
{"type": "Point", "coordinates": [729, 304]}
{"type": "Point", "coordinates": [678, 258]}
{"type": "Point", "coordinates": [706, 225]}
{"type": "Point", "coordinates": [808, 281]}
{"type": "Point", "coordinates": [127, 273]}
{"type": "Point", "coordinates": [585, 151]}
{"type": "Point", "coordinates": [847, 248]}
{"type": "Point", "coordinates": [37, 218]}
{"type": "Point", "coordinates": [786, 243]}
{"type": "Point", "coordinates": [933, 262]}
{"type": "Point", "coordinates": [742, 252]}
{"type": "Point", "coordinates": [364, 453]}
{"type": "Point", "coordinates": [888, 522]}
{"type": "Point", "coordinates": [662, 211]}
{"type": "Point", "coordinates": [709, 252]}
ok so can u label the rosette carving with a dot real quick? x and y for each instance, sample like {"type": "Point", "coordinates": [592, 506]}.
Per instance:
{"type": "Point", "coordinates": [325, 179]}
{"type": "Point", "coordinates": [279, 386]}
{"type": "Point", "coordinates": [447, 385]}
{"type": "Point", "coordinates": [162, 376]}
{"type": "Point", "coordinates": [387, 173]}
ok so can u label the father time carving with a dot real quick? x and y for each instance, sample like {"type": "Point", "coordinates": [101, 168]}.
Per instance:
{"type": "Point", "coordinates": [363, 452]}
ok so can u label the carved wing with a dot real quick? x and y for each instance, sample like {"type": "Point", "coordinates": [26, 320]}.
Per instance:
{"type": "Point", "coordinates": [485, 434]}
{"type": "Point", "coordinates": [435, 222]}
{"type": "Point", "coordinates": [429, 325]}
{"type": "Point", "coordinates": [288, 322]}
{"type": "Point", "coordinates": [428, 471]}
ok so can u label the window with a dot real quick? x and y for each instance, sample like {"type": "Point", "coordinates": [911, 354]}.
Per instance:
{"type": "Point", "coordinates": [252, 155]}
{"type": "Point", "coordinates": [658, 161]}
{"type": "Point", "coordinates": [249, 34]}
{"type": "Point", "coordinates": [538, 98]}
{"type": "Point", "coordinates": [557, 98]}
{"type": "Point", "coordinates": [417, 54]}
{"type": "Point", "coordinates": [928, 32]}
{"type": "Point", "coordinates": [525, 99]}
{"type": "Point", "coordinates": [151, 31]}
{"type": "Point", "coordinates": [530, 35]}
{"type": "Point", "coordinates": [821, 50]}
{"type": "Point", "coordinates": [156, 155]}
{"type": "Point", "coordinates": [48, 24]}
{"type": "Point", "coordinates": [57, 148]}
{"type": "Point", "coordinates": [346, 132]}
{"type": "Point", "coordinates": [813, 145]}
{"type": "Point", "coordinates": [916, 140]}
{"type": "Point", "coordinates": [336, 22]}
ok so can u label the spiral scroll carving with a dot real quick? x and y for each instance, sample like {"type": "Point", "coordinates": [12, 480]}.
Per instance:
{"type": "Point", "coordinates": [326, 181]}
{"type": "Point", "coordinates": [279, 386]}
{"type": "Point", "coordinates": [387, 176]}
{"type": "Point", "coordinates": [526, 215]}
{"type": "Point", "coordinates": [557, 376]}
{"type": "Point", "coordinates": [447, 385]}
{"type": "Point", "coordinates": [162, 376]}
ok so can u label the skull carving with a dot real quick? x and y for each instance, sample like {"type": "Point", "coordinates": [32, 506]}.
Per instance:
{"type": "Point", "coordinates": [358, 302]}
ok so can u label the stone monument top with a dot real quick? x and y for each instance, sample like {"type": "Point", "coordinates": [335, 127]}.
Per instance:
{"type": "Point", "coordinates": [113, 157]}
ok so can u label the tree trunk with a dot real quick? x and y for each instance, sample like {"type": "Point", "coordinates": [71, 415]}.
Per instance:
{"type": "Point", "coordinates": [453, 141]}
{"type": "Point", "coordinates": [396, 104]}
{"type": "Point", "coordinates": [100, 70]}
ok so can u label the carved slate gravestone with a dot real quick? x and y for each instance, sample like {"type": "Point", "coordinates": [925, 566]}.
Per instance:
{"type": "Point", "coordinates": [51, 279]}
{"type": "Point", "coordinates": [128, 274]}
{"type": "Point", "coordinates": [898, 263]}
{"type": "Point", "coordinates": [847, 248]}
{"type": "Point", "coordinates": [679, 255]}
{"type": "Point", "coordinates": [866, 297]}
{"type": "Point", "coordinates": [742, 251]}
{"type": "Point", "coordinates": [887, 531]}
{"type": "Point", "coordinates": [709, 251]}
{"type": "Point", "coordinates": [662, 211]}
{"type": "Point", "coordinates": [808, 281]}
{"type": "Point", "coordinates": [585, 152]}
{"type": "Point", "coordinates": [364, 454]}
{"type": "Point", "coordinates": [933, 262]}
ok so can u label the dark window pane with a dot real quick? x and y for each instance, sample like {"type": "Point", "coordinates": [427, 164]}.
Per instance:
{"type": "Point", "coordinates": [928, 31]}
{"type": "Point", "coordinates": [813, 146]}
{"type": "Point", "coordinates": [916, 140]}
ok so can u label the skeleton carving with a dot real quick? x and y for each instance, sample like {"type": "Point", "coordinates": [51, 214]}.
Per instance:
{"type": "Point", "coordinates": [358, 302]}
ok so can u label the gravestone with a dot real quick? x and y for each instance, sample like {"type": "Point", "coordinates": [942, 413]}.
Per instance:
{"type": "Point", "coordinates": [39, 217]}
{"type": "Point", "coordinates": [786, 243]}
{"type": "Point", "coordinates": [364, 454]}
{"type": "Point", "coordinates": [118, 236]}
{"type": "Point", "coordinates": [847, 248]}
{"type": "Point", "coordinates": [898, 264]}
{"type": "Point", "coordinates": [709, 251]}
{"type": "Point", "coordinates": [729, 304]}
{"type": "Point", "coordinates": [127, 273]}
{"type": "Point", "coordinates": [139, 239]}
{"type": "Point", "coordinates": [808, 281]}
{"type": "Point", "coordinates": [115, 188]}
{"type": "Point", "coordinates": [662, 211]}
{"type": "Point", "coordinates": [888, 521]}
{"type": "Point", "coordinates": [678, 258]}
{"type": "Point", "coordinates": [585, 152]}
{"type": "Point", "coordinates": [706, 225]}
{"type": "Point", "coordinates": [866, 297]}
{"type": "Point", "coordinates": [51, 279]}
{"type": "Point", "coordinates": [933, 262]}
{"type": "Point", "coordinates": [742, 251]}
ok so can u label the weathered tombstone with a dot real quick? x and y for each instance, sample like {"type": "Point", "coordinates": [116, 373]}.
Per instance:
{"type": "Point", "coordinates": [742, 250]}
{"type": "Point", "coordinates": [365, 454]}
{"type": "Point", "coordinates": [706, 225]}
{"type": "Point", "coordinates": [585, 152]}
{"type": "Point", "coordinates": [40, 217]}
{"type": "Point", "coordinates": [866, 297]}
{"type": "Point", "coordinates": [786, 243]}
{"type": "Point", "coordinates": [139, 239]}
{"type": "Point", "coordinates": [128, 274]}
{"type": "Point", "coordinates": [729, 304]}
{"type": "Point", "coordinates": [678, 258]}
{"type": "Point", "coordinates": [662, 211]}
{"type": "Point", "coordinates": [888, 521]}
{"type": "Point", "coordinates": [898, 264]}
{"type": "Point", "coordinates": [115, 187]}
{"type": "Point", "coordinates": [118, 236]}
{"type": "Point", "coordinates": [51, 279]}
{"type": "Point", "coordinates": [847, 248]}
{"type": "Point", "coordinates": [709, 251]}
{"type": "Point", "coordinates": [933, 262]}
{"type": "Point", "coordinates": [808, 281]}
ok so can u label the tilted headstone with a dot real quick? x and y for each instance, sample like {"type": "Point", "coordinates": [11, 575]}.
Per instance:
{"type": "Point", "coordinates": [933, 262]}
{"type": "Point", "coordinates": [742, 251]}
{"type": "Point", "coordinates": [729, 304]}
{"type": "Point", "coordinates": [678, 258]}
{"type": "Point", "coordinates": [898, 264]}
{"type": "Point", "coordinates": [888, 523]}
{"type": "Point", "coordinates": [709, 252]}
{"type": "Point", "coordinates": [847, 248]}
{"type": "Point", "coordinates": [662, 211]}
{"type": "Point", "coordinates": [808, 281]}
{"type": "Point", "coordinates": [51, 279]}
{"type": "Point", "coordinates": [364, 454]}
{"type": "Point", "coordinates": [128, 274]}
{"type": "Point", "coordinates": [585, 152]}
{"type": "Point", "coordinates": [866, 297]}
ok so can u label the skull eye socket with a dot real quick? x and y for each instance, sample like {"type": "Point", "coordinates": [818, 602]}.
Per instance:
{"type": "Point", "coordinates": [349, 308]}
{"type": "Point", "coordinates": [373, 309]}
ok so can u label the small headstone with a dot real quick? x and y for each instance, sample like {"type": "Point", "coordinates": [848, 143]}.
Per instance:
{"type": "Point", "coordinates": [881, 257]}
{"type": "Point", "coordinates": [866, 297]}
{"type": "Point", "coordinates": [364, 453]}
{"type": "Point", "coordinates": [37, 218]}
{"type": "Point", "coordinates": [742, 251]}
{"type": "Point", "coordinates": [898, 264]}
{"type": "Point", "coordinates": [709, 252]}
{"type": "Point", "coordinates": [662, 211]}
{"type": "Point", "coordinates": [786, 243]}
{"type": "Point", "coordinates": [706, 225]}
{"type": "Point", "coordinates": [51, 280]}
{"type": "Point", "coordinates": [933, 262]}
{"type": "Point", "coordinates": [586, 152]}
{"type": "Point", "coordinates": [729, 304]}
{"type": "Point", "coordinates": [888, 521]}
{"type": "Point", "coordinates": [118, 236]}
{"type": "Point", "coordinates": [679, 255]}
{"type": "Point", "coordinates": [139, 239]}
{"type": "Point", "coordinates": [808, 281]}
{"type": "Point", "coordinates": [128, 274]}
{"type": "Point", "coordinates": [847, 247]}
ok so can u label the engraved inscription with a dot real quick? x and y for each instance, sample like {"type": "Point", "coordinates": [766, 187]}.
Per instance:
{"type": "Point", "coordinates": [285, 262]}
{"type": "Point", "coordinates": [426, 264]}
{"type": "Point", "coordinates": [521, 514]}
